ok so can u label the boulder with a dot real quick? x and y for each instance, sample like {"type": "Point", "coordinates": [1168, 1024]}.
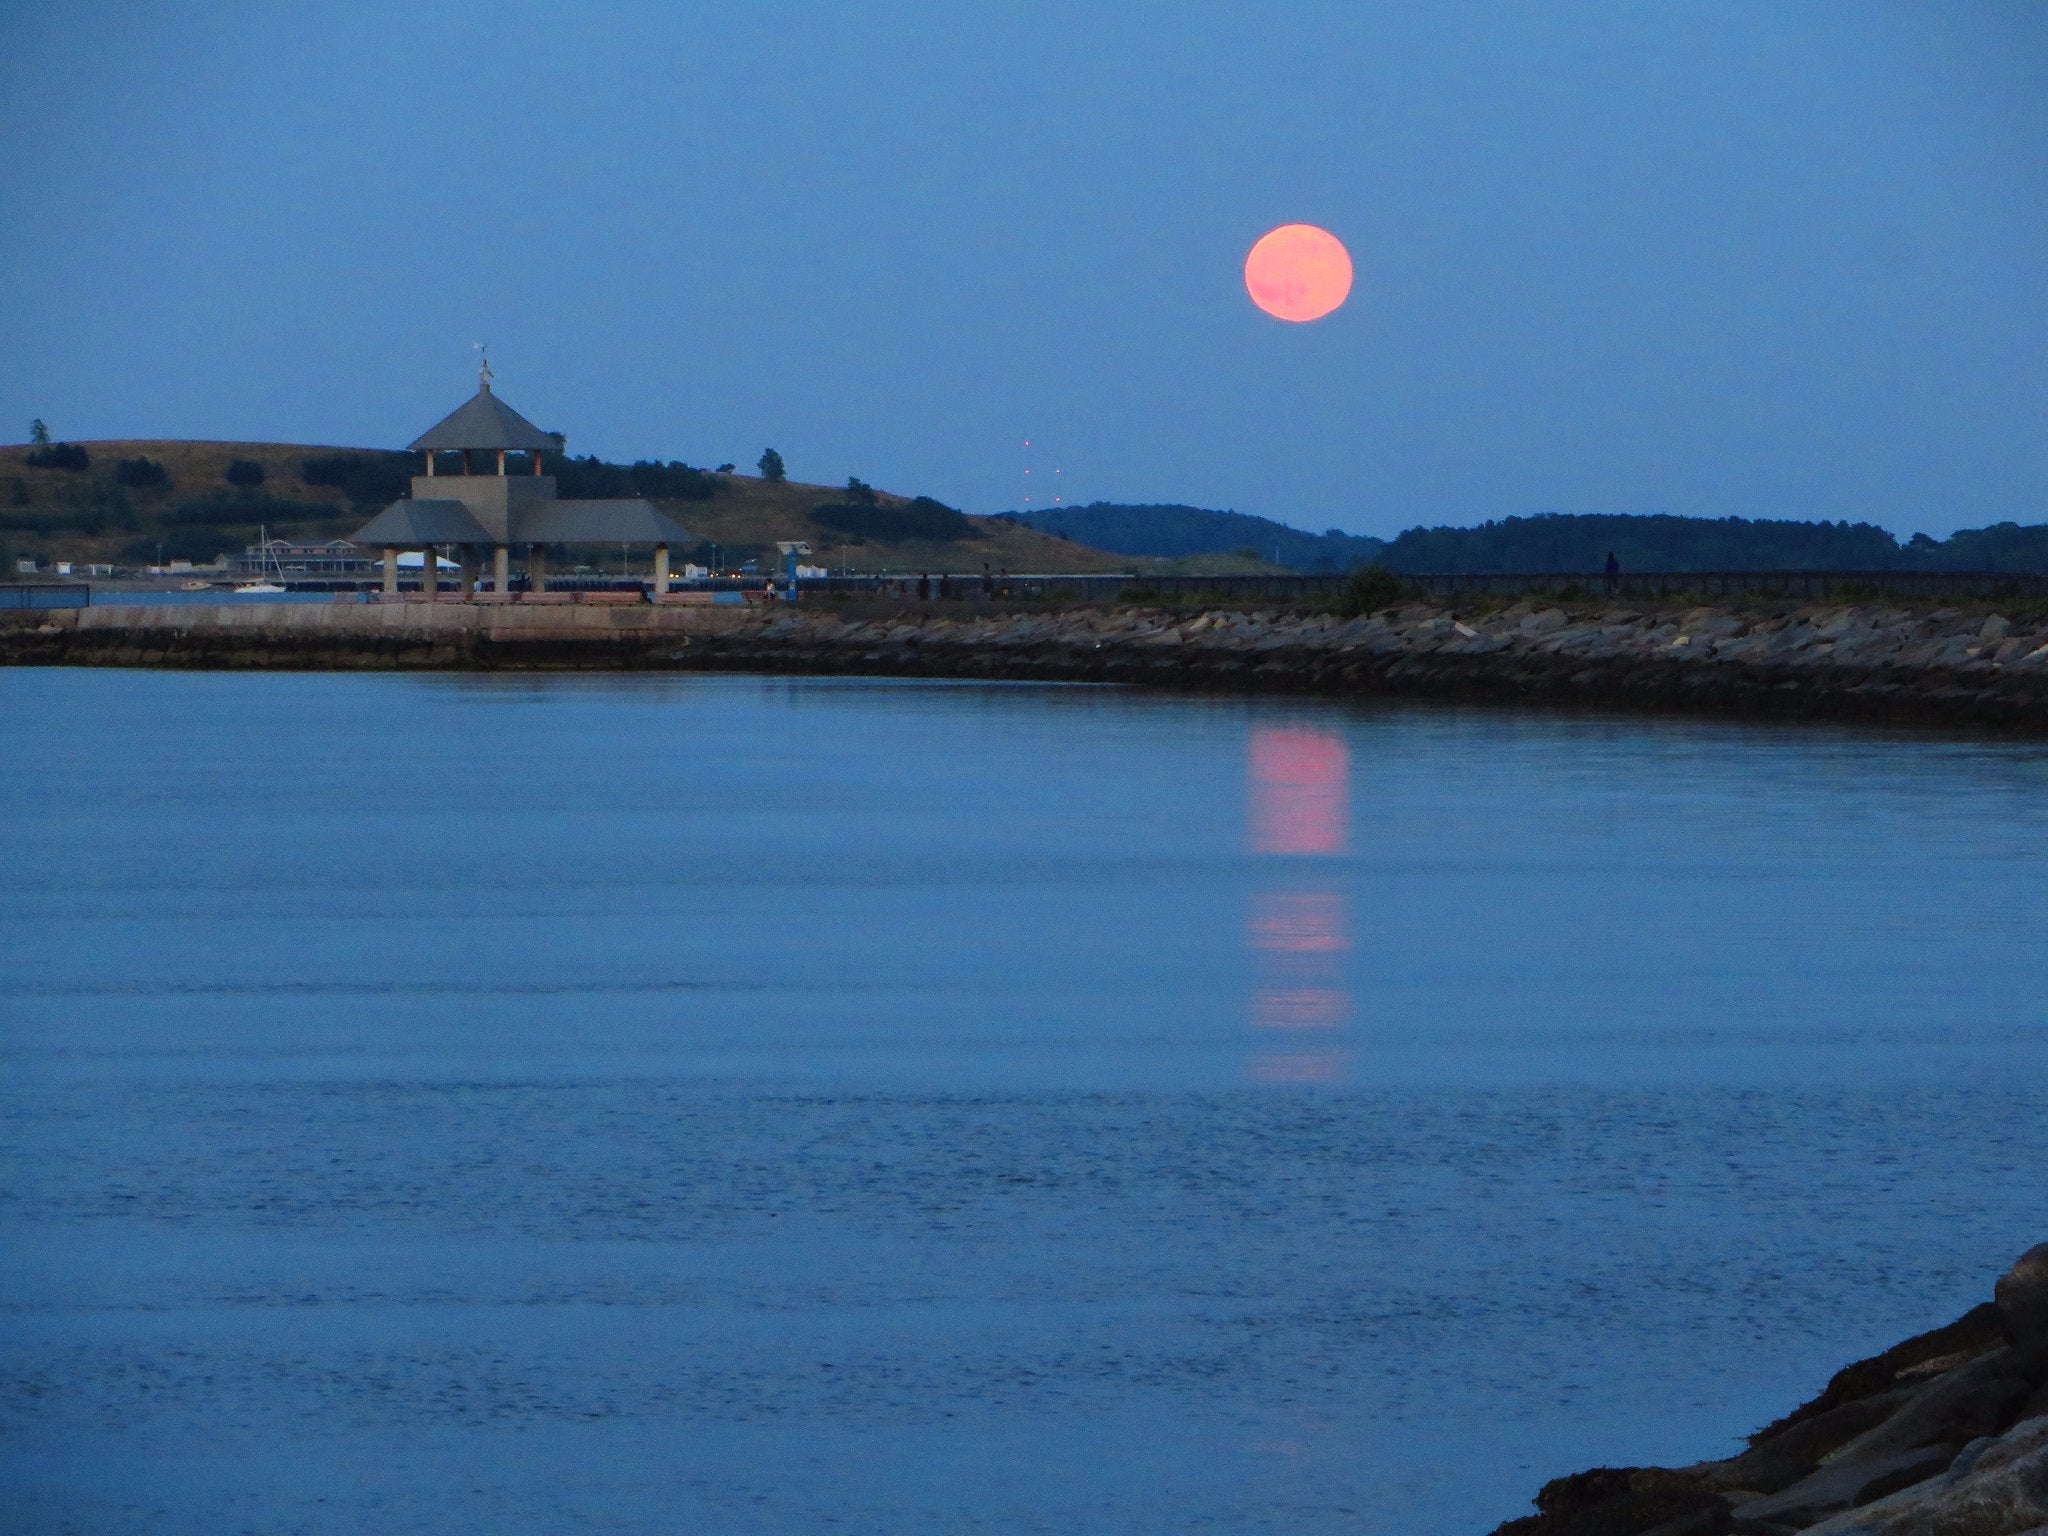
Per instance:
{"type": "Point", "coordinates": [2021, 1297]}
{"type": "Point", "coordinates": [2004, 1493]}
{"type": "Point", "coordinates": [1781, 1459]}
{"type": "Point", "coordinates": [1624, 1501]}
{"type": "Point", "coordinates": [1952, 1409]}
{"type": "Point", "coordinates": [1977, 1332]}
{"type": "Point", "coordinates": [1843, 1484]}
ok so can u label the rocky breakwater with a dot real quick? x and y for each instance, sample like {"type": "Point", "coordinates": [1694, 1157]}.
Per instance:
{"type": "Point", "coordinates": [1943, 1435]}
{"type": "Point", "coordinates": [1947, 666]}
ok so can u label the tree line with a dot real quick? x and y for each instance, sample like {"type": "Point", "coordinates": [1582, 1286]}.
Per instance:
{"type": "Point", "coordinates": [1548, 543]}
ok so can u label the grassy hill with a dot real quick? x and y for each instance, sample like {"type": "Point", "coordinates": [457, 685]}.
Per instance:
{"type": "Point", "coordinates": [120, 509]}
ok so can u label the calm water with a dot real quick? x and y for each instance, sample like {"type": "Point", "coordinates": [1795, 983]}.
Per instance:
{"type": "Point", "coordinates": [617, 1104]}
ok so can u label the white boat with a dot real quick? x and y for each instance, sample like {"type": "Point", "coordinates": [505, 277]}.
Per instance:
{"type": "Point", "coordinates": [263, 586]}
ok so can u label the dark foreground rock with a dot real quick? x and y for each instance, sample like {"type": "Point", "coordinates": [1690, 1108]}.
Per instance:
{"type": "Point", "coordinates": [1950, 667]}
{"type": "Point", "coordinates": [1945, 1434]}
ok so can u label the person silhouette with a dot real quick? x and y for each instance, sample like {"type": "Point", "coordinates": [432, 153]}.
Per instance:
{"type": "Point", "coordinates": [1613, 573]}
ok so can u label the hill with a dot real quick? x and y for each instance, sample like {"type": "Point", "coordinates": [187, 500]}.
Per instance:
{"type": "Point", "coordinates": [134, 502]}
{"type": "Point", "coordinates": [1170, 531]}
{"type": "Point", "coordinates": [1551, 542]}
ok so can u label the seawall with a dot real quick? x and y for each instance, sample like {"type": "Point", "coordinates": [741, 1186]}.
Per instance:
{"type": "Point", "coordinates": [1970, 668]}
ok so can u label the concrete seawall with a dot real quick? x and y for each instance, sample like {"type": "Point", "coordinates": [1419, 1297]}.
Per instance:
{"type": "Point", "coordinates": [1969, 668]}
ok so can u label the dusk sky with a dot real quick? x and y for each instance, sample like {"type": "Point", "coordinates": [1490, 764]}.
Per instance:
{"type": "Point", "coordinates": [1770, 260]}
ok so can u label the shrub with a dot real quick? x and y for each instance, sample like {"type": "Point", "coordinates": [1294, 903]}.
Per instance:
{"type": "Point", "coordinates": [245, 473]}
{"type": "Point", "coordinates": [228, 509]}
{"type": "Point", "coordinates": [199, 545]}
{"type": "Point", "coordinates": [592, 478]}
{"type": "Point", "coordinates": [365, 479]}
{"type": "Point", "coordinates": [673, 481]}
{"type": "Point", "coordinates": [60, 456]}
{"type": "Point", "coordinates": [1370, 588]}
{"type": "Point", "coordinates": [923, 518]}
{"type": "Point", "coordinates": [142, 475]}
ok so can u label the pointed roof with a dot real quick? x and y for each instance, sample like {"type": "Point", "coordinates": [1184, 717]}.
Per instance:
{"type": "Point", "coordinates": [484, 422]}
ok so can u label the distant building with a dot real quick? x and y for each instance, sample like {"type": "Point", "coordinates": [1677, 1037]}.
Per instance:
{"type": "Point", "coordinates": [471, 512]}
{"type": "Point", "coordinates": [281, 557]}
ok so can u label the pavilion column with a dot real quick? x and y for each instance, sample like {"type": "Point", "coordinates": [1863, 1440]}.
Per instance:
{"type": "Point", "coordinates": [430, 463]}
{"type": "Point", "coordinates": [536, 568]}
{"type": "Point", "coordinates": [390, 573]}
{"type": "Point", "coordinates": [660, 571]}
{"type": "Point", "coordinates": [465, 556]}
{"type": "Point", "coordinates": [430, 576]}
{"type": "Point", "coordinates": [501, 463]}
{"type": "Point", "coordinates": [501, 570]}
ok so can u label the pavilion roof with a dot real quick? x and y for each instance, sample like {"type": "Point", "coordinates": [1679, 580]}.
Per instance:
{"type": "Point", "coordinates": [483, 422]}
{"type": "Point", "coordinates": [410, 524]}
{"type": "Point", "coordinates": [596, 522]}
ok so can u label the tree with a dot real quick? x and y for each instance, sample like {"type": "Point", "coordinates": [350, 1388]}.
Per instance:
{"type": "Point", "coordinates": [142, 474]}
{"type": "Point", "coordinates": [858, 492]}
{"type": "Point", "coordinates": [245, 473]}
{"type": "Point", "coordinates": [38, 433]}
{"type": "Point", "coordinates": [59, 456]}
{"type": "Point", "coordinates": [772, 468]}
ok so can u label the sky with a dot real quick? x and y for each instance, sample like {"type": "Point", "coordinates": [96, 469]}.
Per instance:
{"type": "Point", "coordinates": [1748, 259]}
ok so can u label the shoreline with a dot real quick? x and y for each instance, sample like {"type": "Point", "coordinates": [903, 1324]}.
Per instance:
{"type": "Point", "coordinates": [1944, 1434]}
{"type": "Point", "coordinates": [1970, 669]}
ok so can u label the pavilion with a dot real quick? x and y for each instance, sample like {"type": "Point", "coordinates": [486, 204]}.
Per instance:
{"type": "Point", "coordinates": [473, 511]}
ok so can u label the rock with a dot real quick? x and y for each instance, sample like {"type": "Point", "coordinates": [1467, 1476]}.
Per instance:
{"type": "Point", "coordinates": [2004, 1493]}
{"type": "Point", "coordinates": [1977, 1332]}
{"type": "Point", "coordinates": [1846, 1483]}
{"type": "Point", "coordinates": [2021, 1297]}
{"type": "Point", "coordinates": [1997, 627]}
{"type": "Point", "coordinates": [1624, 1501]}
{"type": "Point", "coordinates": [1783, 1458]}
{"type": "Point", "coordinates": [1953, 1409]}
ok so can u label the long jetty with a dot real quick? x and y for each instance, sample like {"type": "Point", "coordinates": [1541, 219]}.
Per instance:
{"type": "Point", "coordinates": [1973, 667]}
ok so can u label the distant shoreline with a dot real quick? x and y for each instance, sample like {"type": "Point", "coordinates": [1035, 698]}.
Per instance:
{"type": "Point", "coordinates": [1972, 669]}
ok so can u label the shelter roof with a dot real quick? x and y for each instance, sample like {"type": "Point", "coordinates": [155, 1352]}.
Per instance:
{"type": "Point", "coordinates": [410, 524]}
{"type": "Point", "coordinates": [485, 422]}
{"type": "Point", "coordinates": [596, 522]}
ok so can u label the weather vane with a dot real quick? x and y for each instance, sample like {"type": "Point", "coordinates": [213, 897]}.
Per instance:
{"type": "Point", "coordinates": [484, 374]}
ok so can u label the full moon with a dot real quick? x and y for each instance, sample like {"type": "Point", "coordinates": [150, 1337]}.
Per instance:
{"type": "Point", "coordinates": [1298, 272]}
